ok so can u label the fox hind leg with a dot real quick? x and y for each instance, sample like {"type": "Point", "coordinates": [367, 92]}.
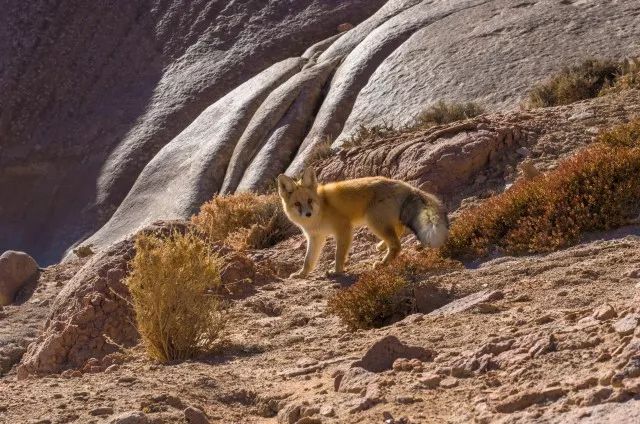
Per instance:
{"type": "Point", "coordinates": [400, 230]}
{"type": "Point", "coordinates": [390, 239]}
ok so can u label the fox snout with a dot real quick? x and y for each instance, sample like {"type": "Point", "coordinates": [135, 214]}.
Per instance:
{"type": "Point", "coordinates": [304, 208]}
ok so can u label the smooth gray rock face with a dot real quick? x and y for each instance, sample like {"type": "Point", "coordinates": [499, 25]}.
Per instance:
{"type": "Point", "coordinates": [188, 170]}
{"type": "Point", "coordinates": [285, 137]}
{"type": "Point", "coordinates": [357, 69]}
{"type": "Point", "coordinates": [92, 91]}
{"type": "Point", "coordinates": [491, 53]}
{"type": "Point", "coordinates": [158, 119]}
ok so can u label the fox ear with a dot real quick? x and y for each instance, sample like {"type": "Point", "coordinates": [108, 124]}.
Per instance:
{"type": "Point", "coordinates": [286, 185]}
{"type": "Point", "coordinates": [309, 179]}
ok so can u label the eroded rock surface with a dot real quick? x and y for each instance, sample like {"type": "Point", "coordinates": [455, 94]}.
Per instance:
{"type": "Point", "coordinates": [181, 101]}
{"type": "Point", "coordinates": [91, 93]}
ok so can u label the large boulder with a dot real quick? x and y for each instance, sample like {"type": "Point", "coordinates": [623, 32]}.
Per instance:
{"type": "Point", "coordinates": [90, 317]}
{"type": "Point", "coordinates": [16, 270]}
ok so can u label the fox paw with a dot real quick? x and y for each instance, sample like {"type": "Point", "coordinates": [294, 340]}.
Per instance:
{"type": "Point", "coordinates": [381, 247]}
{"type": "Point", "coordinates": [299, 274]}
{"type": "Point", "coordinates": [334, 273]}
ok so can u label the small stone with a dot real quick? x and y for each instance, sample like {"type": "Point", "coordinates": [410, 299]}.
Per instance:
{"type": "Point", "coordinates": [605, 379]}
{"type": "Point", "coordinates": [604, 313]}
{"type": "Point", "coordinates": [635, 273]}
{"type": "Point", "coordinates": [449, 383]}
{"type": "Point", "coordinates": [327, 411]}
{"type": "Point", "coordinates": [289, 414]}
{"type": "Point", "coordinates": [430, 381]}
{"type": "Point", "coordinates": [544, 319]}
{"type": "Point", "coordinates": [195, 416]}
{"type": "Point", "coordinates": [405, 400]}
{"type": "Point", "coordinates": [627, 324]}
{"type": "Point", "coordinates": [522, 298]}
{"type": "Point", "coordinates": [597, 396]}
{"type": "Point", "coordinates": [585, 383]}
{"type": "Point", "coordinates": [112, 368]}
{"type": "Point", "coordinates": [401, 364]}
{"type": "Point", "coordinates": [105, 410]}
{"type": "Point", "coordinates": [131, 417]}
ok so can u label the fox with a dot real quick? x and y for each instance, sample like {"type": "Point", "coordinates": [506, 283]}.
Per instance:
{"type": "Point", "coordinates": [386, 206]}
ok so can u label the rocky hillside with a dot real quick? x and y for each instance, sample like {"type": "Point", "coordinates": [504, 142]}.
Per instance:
{"type": "Point", "coordinates": [120, 122]}
{"type": "Point", "coordinates": [159, 105]}
{"type": "Point", "coordinates": [543, 338]}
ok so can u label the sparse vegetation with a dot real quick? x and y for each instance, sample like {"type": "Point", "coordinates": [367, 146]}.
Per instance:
{"type": "Point", "coordinates": [320, 152]}
{"type": "Point", "coordinates": [571, 84]}
{"type": "Point", "coordinates": [366, 135]}
{"type": "Point", "coordinates": [587, 80]}
{"type": "Point", "coordinates": [444, 113]}
{"type": "Point", "coordinates": [169, 282]}
{"type": "Point", "coordinates": [84, 250]}
{"type": "Point", "coordinates": [439, 114]}
{"type": "Point", "coordinates": [624, 135]}
{"type": "Point", "coordinates": [597, 189]}
{"type": "Point", "coordinates": [381, 295]}
{"type": "Point", "coordinates": [628, 78]}
{"type": "Point", "coordinates": [245, 220]}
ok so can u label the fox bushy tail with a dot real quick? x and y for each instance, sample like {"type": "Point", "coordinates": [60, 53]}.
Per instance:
{"type": "Point", "coordinates": [425, 215]}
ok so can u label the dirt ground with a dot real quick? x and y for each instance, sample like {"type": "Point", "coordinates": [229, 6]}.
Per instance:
{"type": "Point", "coordinates": [548, 346]}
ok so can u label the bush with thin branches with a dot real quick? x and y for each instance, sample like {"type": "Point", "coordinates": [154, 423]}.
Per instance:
{"type": "Point", "coordinates": [171, 284]}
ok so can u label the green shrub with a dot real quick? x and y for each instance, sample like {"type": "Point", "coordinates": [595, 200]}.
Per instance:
{"type": "Point", "coordinates": [575, 83]}
{"type": "Point", "coordinates": [169, 283]}
{"type": "Point", "coordinates": [444, 113]}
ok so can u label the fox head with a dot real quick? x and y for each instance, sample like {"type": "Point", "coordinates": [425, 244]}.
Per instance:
{"type": "Point", "coordinates": [300, 198]}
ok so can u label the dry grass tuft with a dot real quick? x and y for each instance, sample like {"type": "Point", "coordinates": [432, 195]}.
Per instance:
{"type": "Point", "coordinates": [320, 152]}
{"type": "Point", "coordinates": [444, 113]}
{"type": "Point", "coordinates": [624, 135]}
{"type": "Point", "coordinates": [245, 220]}
{"type": "Point", "coordinates": [597, 189]}
{"type": "Point", "coordinates": [575, 83]}
{"type": "Point", "coordinates": [169, 280]}
{"type": "Point", "coordinates": [629, 77]}
{"type": "Point", "coordinates": [380, 296]}
{"type": "Point", "coordinates": [366, 135]}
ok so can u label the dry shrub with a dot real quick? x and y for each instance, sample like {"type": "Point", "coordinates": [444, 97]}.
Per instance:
{"type": "Point", "coordinates": [366, 135]}
{"type": "Point", "coordinates": [445, 113]}
{"type": "Point", "coordinates": [628, 78]}
{"type": "Point", "coordinates": [381, 295]}
{"type": "Point", "coordinates": [624, 135]}
{"type": "Point", "coordinates": [245, 220]}
{"type": "Point", "coordinates": [571, 84]}
{"type": "Point", "coordinates": [169, 281]}
{"type": "Point", "coordinates": [320, 152]}
{"type": "Point", "coordinates": [597, 189]}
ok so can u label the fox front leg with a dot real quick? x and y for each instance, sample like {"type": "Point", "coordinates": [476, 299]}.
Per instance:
{"type": "Point", "coordinates": [344, 237]}
{"type": "Point", "coordinates": [315, 244]}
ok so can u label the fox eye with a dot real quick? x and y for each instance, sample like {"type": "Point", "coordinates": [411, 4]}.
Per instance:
{"type": "Point", "coordinates": [298, 205]}
{"type": "Point", "coordinates": [309, 201]}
